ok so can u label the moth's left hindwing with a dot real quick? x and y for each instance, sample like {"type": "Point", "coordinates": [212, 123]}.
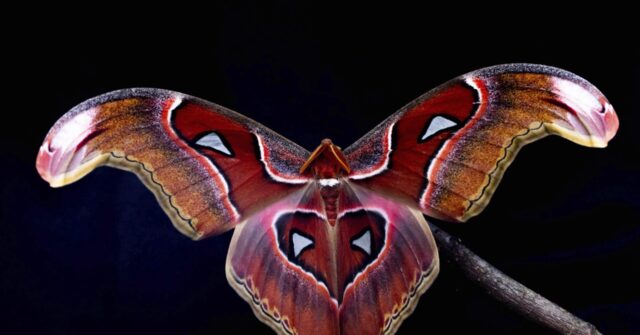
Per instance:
{"type": "Point", "coordinates": [301, 275]}
{"type": "Point", "coordinates": [207, 166]}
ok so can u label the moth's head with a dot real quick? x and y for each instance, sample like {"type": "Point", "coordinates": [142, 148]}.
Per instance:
{"type": "Point", "coordinates": [327, 161]}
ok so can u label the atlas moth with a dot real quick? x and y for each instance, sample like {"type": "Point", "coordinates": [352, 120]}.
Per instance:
{"type": "Point", "coordinates": [333, 241]}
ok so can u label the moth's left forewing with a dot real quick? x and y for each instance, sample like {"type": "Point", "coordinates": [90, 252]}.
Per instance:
{"type": "Point", "coordinates": [208, 166]}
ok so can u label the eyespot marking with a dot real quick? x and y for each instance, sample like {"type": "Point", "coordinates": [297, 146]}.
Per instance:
{"type": "Point", "coordinates": [213, 141]}
{"type": "Point", "coordinates": [436, 125]}
{"type": "Point", "coordinates": [300, 242]}
{"type": "Point", "coordinates": [363, 242]}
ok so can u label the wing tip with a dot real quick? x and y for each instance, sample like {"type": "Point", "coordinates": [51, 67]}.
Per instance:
{"type": "Point", "coordinates": [63, 158]}
{"type": "Point", "coordinates": [593, 121]}
{"type": "Point", "coordinates": [61, 166]}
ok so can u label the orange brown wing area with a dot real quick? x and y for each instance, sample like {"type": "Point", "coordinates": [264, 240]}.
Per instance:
{"type": "Point", "coordinates": [447, 151]}
{"type": "Point", "coordinates": [207, 166]}
{"type": "Point", "coordinates": [363, 276]}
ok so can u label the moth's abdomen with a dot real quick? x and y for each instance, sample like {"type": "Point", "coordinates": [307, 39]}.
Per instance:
{"type": "Point", "coordinates": [330, 198]}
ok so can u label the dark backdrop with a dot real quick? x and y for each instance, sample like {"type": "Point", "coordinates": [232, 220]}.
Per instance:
{"type": "Point", "coordinates": [99, 256]}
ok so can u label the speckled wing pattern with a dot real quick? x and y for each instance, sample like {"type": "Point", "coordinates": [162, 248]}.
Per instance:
{"type": "Point", "coordinates": [446, 152]}
{"type": "Point", "coordinates": [363, 268]}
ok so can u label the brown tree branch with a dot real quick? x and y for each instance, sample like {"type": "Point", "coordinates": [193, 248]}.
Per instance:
{"type": "Point", "coordinates": [507, 290]}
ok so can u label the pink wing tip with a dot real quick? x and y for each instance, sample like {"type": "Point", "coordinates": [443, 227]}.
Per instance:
{"type": "Point", "coordinates": [610, 121]}
{"type": "Point", "coordinates": [64, 149]}
{"type": "Point", "coordinates": [602, 123]}
{"type": "Point", "coordinates": [44, 160]}
{"type": "Point", "coordinates": [54, 164]}
{"type": "Point", "coordinates": [593, 121]}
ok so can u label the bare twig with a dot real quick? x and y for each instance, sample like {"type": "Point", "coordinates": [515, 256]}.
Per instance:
{"type": "Point", "coordinates": [507, 290]}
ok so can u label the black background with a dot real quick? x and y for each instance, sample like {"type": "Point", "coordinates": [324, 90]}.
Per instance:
{"type": "Point", "coordinates": [99, 256]}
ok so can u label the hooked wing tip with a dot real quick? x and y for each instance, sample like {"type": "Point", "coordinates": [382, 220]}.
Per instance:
{"type": "Point", "coordinates": [63, 167]}
{"type": "Point", "coordinates": [585, 116]}
{"type": "Point", "coordinates": [592, 121]}
{"type": "Point", "coordinates": [64, 158]}
{"type": "Point", "coordinates": [611, 122]}
{"type": "Point", "coordinates": [43, 162]}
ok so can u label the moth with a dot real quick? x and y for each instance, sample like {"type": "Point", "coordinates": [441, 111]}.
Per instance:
{"type": "Point", "coordinates": [331, 241]}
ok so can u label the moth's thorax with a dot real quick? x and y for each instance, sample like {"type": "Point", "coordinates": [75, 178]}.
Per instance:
{"type": "Point", "coordinates": [326, 162]}
{"type": "Point", "coordinates": [327, 165]}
